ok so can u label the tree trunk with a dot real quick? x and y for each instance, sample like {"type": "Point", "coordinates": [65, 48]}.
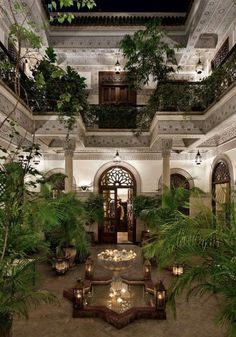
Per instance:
{"type": "Point", "coordinates": [5, 327]}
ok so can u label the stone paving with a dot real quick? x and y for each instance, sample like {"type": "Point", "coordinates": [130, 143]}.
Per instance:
{"type": "Point", "coordinates": [194, 319]}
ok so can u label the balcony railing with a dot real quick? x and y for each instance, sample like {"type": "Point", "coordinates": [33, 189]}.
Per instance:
{"type": "Point", "coordinates": [190, 96]}
{"type": "Point", "coordinates": [169, 96]}
{"type": "Point", "coordinates": [106, 116]}
{"type": "Point", "coordinates": [8, 74]}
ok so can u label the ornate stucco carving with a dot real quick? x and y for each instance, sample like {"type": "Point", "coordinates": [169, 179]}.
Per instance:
{"type": "Point", "coordinates": [221, 138]}
{"type": "Point", "coordinates": [69, 147]}
{"type": "Point", "coordinates": [16, 112]}
{"type": "Point", "coordinates": [166, 146]}
{"type": "Point", "coordinates": [117, 141]}
{"type": "Point", "coordinates": [85, 41]}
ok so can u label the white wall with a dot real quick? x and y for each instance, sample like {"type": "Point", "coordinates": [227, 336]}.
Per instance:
{"type": "Point", "coordinates": [199, 173]}
{"type": "Point", "coordinates": [150, 171]}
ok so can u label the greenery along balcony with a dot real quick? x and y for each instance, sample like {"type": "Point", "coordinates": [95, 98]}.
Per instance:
{"type": "Point", "coordinates": [8, 73]}
{"type": "Point", "coordinates": [64, 92]}
{"type": "Point", "coordinates": [196, 96]}
{"type": "Point", "coordinates": [107, 116]}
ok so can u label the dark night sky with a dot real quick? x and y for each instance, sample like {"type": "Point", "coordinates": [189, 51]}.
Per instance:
{"type": "Point", "coordinates": [141, 5]}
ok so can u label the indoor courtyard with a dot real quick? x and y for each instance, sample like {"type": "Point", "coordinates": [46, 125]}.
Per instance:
{"type": "Point", "coordinates": [117, 168]}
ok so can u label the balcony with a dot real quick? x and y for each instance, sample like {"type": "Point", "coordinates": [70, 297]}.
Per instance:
{"type": "Point", "coordinates": [106, 116]}
{"type": "Point", "coordinates": [8, 74]}
{"type": "Point", "coordinates": [192, 98]}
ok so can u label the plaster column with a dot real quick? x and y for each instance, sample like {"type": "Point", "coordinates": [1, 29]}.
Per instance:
{"type": "Point", "coordinates": [166, 150]}
{"type": "Point", "coordinates": [69, 148]}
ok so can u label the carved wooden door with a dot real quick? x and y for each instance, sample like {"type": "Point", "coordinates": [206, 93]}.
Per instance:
{"type": "Point", "coordinates": [114, 89]}
{"type": "Point", "coordinates": [112, 182]}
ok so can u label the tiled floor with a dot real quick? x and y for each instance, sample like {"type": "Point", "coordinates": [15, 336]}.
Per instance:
{"type": "Point", "coordinates": [122, 237]}
{"type": "Point", "coordinates": [194, 319]}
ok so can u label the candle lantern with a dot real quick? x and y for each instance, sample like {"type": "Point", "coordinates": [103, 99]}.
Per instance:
{"type": "Point", "coordinates": [89, 268]}
{"type": "Point", "coordinates": [78, 293]}
{"type": "Point", "coordinates": [61, 266]}
{"type": "Point", "coordinates": [160, 294]}
{"type": "Point", "coordinates": [177, 269]}
{"type": "Point", "coordinates": [147, 269]}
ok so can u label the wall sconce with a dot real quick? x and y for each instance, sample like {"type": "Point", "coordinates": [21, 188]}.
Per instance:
{"type": "Point", "coordinates": [117, 67]}
{"type": "Point", "coordinates": [198, 158]}
{"type": "Point", "coordinates": [89, 268]}
{"type": "Point", "coordinates": [160, 295]}
{"type": "Point", "coordinates": [147, 269]}
{"type": "Point", "coordinates": [199, 67]}
{"type": "Point", "coordinates": [78, 294]}
{"type": "Point", "coordinates": [177, 269]}
{"type": "Point", "coordinates": [117, 158]}
{"type": "Point", "coordinates": [84, 188]}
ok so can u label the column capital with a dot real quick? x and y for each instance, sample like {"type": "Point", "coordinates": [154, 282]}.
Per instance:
{"type": "Point", "coordinates": [166, 146]}
{"type": "Point", "coordinates": [69, 147]}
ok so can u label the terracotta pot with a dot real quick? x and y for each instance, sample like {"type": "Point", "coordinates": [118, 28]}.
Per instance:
{"type": "Point", "coordinates": [70, 254]}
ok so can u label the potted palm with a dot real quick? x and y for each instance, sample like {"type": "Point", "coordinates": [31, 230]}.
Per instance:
{"type": "Point", "coordinates": [94, 209]}
{"type": "Point", "coordinates": [17, 293]}
{"type": "Point", "coordinates": [22, 215]}
{"type": "Point", "coordinates": [69, 233]}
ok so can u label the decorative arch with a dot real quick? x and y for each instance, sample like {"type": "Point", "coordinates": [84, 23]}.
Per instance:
{"type": "Point", "coordinates": [225, 159]}
{"type": "Point", "coordinates": [180, 172]}
{"type": "Point", "coordinates": [58, 170]}
{"type": "Point", "coordinates": [111, 164]}
{"type": "Point", "coordinates": [221, 182]}
{"type": "Point", "coordinates": [117, 176]}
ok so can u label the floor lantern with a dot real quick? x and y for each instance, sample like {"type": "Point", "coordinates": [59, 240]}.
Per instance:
{"type": "Point", "coordinates": [78, 294]}
{"type": "Point", "coordinates": [89, 268]}
{"type": "Point", "coordinates": [147, 269]}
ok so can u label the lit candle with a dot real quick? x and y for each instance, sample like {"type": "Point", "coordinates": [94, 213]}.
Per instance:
{"type": "Point", "coordinates": [119, 300]}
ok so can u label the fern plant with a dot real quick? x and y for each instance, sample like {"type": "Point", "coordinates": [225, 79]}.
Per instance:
{"type": "Point", "coordinates": [207, 247]}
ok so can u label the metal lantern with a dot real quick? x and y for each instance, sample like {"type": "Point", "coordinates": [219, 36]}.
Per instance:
{"type": "Point", "coordinates": [78, 294]}
{"type": "Point", "coordinates": [117, 67]}
{"type": "Point", "coordinates": [89, 268]}
{"type": "Point", "coordinates": [177, 269]}
{"type": "Point", "coordinates": [160, 294]}
{"type": "Point", "coordinates": [61, 266]}
{"type": "Point", "coordinates": [198, 158]}
{"type": "Point", "coordinates": [147, 269]}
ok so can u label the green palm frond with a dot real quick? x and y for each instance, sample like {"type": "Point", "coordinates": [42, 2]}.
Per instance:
{"type": "Point", "coordinates": [206, 245]}
{"type": "Point", "coordinates": [17, 294]}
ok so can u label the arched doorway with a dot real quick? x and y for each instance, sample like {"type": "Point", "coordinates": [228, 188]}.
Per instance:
{"type": "Point", "coordinates": [221, 182]}
{"type": "Point", "coordinates": [177, 180]}
{"type": "Point", "coordinates": [118, 187]}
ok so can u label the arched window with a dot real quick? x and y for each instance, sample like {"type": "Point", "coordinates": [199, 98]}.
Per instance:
{"type": "Point", "coordinates": [117, 176]}
{"type": "Point", "coordinates": [177, 180]}
{"type": "Point", "coordinates": [220, 186]}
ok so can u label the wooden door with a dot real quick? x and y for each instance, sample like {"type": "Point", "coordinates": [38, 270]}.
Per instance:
{"type": "Point", "coordinates": [108, 231]}
{"type": "Point", "coordinates": [113, 89]}
{"type": "Point", "coordinates": [112, 182]}
{"type": "Point", "coordinates": [130, 216]}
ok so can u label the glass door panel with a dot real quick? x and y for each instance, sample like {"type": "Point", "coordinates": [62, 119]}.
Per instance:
{"type": "Point", "coordinates": [108, 230]}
